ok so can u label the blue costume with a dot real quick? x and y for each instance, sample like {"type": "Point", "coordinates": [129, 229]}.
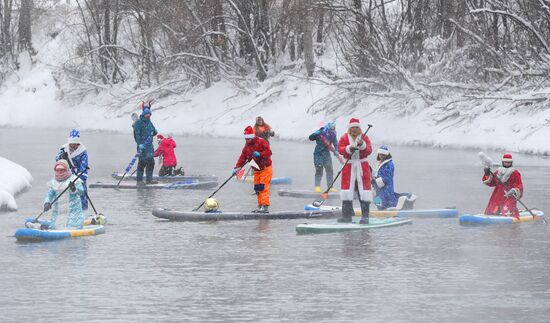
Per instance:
{"type": "Point", "coordinates": [69, 203]}
{"type": "Point", "coordinates": [144, 131]}
{"type": "Point", "coordinates": [383, 178]}
{"type": "Point", "coordinates": [78, 161]}
{"type": "Point", "coordinates": [327, 142]}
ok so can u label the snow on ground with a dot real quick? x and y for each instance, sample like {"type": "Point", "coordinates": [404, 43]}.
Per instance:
{"type": "Point", "coordinates": [13, 179]}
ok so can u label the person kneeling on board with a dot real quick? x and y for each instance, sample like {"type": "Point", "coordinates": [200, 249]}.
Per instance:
{"type": "Point", "coordinates": [355, 146]}
{"type": "Point", "coordinates": [257, 151]}
{"type": "Point", "coordinates": [69, 204]}
{"type": "Point", "coordinates": [166, 152]}
{"type": "Point", "coordinates": [508, 187]}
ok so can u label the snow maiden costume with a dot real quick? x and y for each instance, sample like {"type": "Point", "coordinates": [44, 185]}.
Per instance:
{"type": "Point", "coordinates": [77, 159]}
{"type": "Point", "coordinates": [383, 179]}
{"type": "Point", "coordinates": [356, 175]}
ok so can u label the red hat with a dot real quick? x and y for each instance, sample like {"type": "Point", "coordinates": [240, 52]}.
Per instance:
{"type": "Point", "coordinates": [507, 158]}
{"type": "Point", "coordinates": [353, 122]}
{"type": "Point", "coordinates": [248, 132]}
{"type": "Point", "coordinates": [160, 137]}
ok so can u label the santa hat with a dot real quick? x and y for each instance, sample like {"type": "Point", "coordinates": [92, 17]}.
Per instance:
{"type": "Point", "coordinates": [384, 150]}
{"type": "Point", "coordinates": [74, 137]}
{"type": "Point", "coordinates": [507, 158]}
{"type": "Point", "coordinates": [353, 122]}
{"type": "Point", "coordinates": [248, 132]}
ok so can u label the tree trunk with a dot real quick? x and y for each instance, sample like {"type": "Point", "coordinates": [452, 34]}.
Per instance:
{"type": "Point", "coordinates": [25, 34]}
{"type": "Point", "coordinates": [308, 37]}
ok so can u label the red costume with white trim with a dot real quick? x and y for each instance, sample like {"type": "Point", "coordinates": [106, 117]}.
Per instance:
{"type": "Point", "coordinates": [356, 174]}
{"type": "Point", "coordinates": [501, 203]}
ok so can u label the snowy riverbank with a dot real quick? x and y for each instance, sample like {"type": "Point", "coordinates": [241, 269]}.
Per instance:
{"type": "Point", "coordinates": [13, 179]}
{"type": "Point", "coordinates": [294, 108]}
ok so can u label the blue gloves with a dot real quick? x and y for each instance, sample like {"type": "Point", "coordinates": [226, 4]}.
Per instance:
{"type": "Point", "coordinates": [141, 146]}
{"type": "Point", "coordinates": [256, 154]}
{"type": "Point", "coordinates": [234, 171]}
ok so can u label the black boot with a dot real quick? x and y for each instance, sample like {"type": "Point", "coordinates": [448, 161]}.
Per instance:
{"type": "Point", "coordinates": [347, 212]}
{"type": "Point", "coordinates": [365, 209]}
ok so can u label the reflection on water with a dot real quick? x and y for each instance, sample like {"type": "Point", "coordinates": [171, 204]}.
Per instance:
{"type": "Point", "coordinates": [145, 269]}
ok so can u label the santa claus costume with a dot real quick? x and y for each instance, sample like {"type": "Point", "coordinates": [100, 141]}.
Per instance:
{"type": "Point", "coordinates": [508, 188]}
{"type": "Point", "coordinates": [356, 177]}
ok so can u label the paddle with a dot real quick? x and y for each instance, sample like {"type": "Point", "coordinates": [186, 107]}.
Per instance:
{"type": "Point", "coordinates": [219, 188]}
{"type": "Point", "coordinates": [324, 196]}
{"type": "Point", "coordinates": [65, 190]}
{"type": "Point", "coordinates": [97, 215]}
{"type": "Point", "coordinates": [488, 162]}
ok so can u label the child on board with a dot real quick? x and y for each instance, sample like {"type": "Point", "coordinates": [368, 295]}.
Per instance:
{"type": "Point", "coordinates": [69, 204]}
{"type": "Point", "coordinates": [257, 151]}
{"type": "Point", "coordinates": [356, 177]}
{"type": "Point", "coordinates": [262, 129]}
{"type": "Point", "coordinates": [165, 150]}
{"type": "Point", "coordinates": [326, 143]}
{"type": "Point", "coordinates": [508, 188]}
{"type": "Point", "coordinates": [76, 156]}
{"type": "Point", "coordinates": [383, 178]}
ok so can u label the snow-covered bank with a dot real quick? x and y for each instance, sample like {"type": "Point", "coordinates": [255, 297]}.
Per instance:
{"type": "Point", "coordinates": [294, 107]}
{"type": "Point", "coordinates": [13, 179]}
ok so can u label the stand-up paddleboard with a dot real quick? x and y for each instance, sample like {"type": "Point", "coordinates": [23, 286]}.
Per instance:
{"type": "Point", "coordinates": [274, 180]}
{"type": "Point", "coordinates": [30, 235]}
{"type": "Point", "coordinates": [420, 213]}
{"type": "Point", "coordinates": [524, 216]}
{"type": "Point", "coordinates": [309, 228]}
{"type": "Point", "coordinates": [188, 185]}
{"type": "Point", "coordinates": [223, 216]}
{"type": "Point", "coordinates": [306, 194]}
{"type": "Point", "coordinates": [176, 178]}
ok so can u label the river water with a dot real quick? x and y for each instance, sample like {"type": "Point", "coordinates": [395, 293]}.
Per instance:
{"type": "Point", "coordinates": [145, 269]}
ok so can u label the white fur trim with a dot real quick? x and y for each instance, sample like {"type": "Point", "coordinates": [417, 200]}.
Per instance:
{"type": "Point", "coordinates": [380, 182]}
{"type": "Point", "coordinates": [73, 140]}
{"type": "Point", "coordinates": [249, 136]}
{"type": "Point", "coordinates": [507, 160]}
{"type": "Point", "coordinates": [356, 175]}
{"type": "Point", "coordinates": [354, 124]}
{"type": "Point", "coordinates": [383, 151]}
{"type": "Point", "coordinates": [348, 149]}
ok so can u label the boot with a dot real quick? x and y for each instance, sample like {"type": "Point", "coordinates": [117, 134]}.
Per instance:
{"type": "Point", "coordinates": [264, 209]}
{"type": "Point", "coordinates": [151, 182]}
{"type": "Point", "coordinates": [257, 210]}
{"type": "Point", "coordinates": [140, 183]}
{"type": "Point", "coordinates": [347, 212]}
{"type": "Point", "coordinates": [365, 209]}
{"type": "Point", "coordinates": [317, 189]}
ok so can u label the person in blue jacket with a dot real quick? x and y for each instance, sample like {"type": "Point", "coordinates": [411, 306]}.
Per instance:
{"type": "Point", "coordinates": [327, 143]}
{"type": "Point", "coordinates": [144, 131]}
{"type": "Point", "coordinates": [383, 178]}
{"type": "Point", "coordinates": [76, 156]}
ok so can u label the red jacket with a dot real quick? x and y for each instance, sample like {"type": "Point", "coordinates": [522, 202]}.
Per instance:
{"type": "Point", "coordinates": [166, 149]}
{"type": "Point", "coordinates": [500, 204]}
{"type": "Point", "coordinates": [256, 144]}
{"type": "Point", "coordinates": [357, 169]}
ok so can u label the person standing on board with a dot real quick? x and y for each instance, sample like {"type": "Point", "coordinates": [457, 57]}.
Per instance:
{"type": "Point", "coordinates": [144, 131]}
{"type": "Point", "coordinates": [262, 129]}
{"type": "Point", "coordinates": [327, 143]}
{"type": "Point", "coordinates": [508, 187]}
{"type": "Point", "coordinates": [76, 156]}
{"type": "Point", "coordinates": [257, 151]}
{"type": "Point", "coordinates": [356, 175]}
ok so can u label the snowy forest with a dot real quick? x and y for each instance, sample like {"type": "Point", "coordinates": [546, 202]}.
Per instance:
{"type": "Point", "coordinates": [446, 55]}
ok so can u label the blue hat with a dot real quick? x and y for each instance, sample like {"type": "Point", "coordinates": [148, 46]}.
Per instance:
{"type": "Point", "coordinates": [146, 111]}
{"type": "Point", "coordinates": [74, 137]}
{"type": "Point", "coordinates": [384, 150]}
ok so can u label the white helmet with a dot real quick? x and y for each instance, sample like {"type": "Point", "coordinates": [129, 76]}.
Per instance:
{"type": "Point", "coordinates": [211, 204]}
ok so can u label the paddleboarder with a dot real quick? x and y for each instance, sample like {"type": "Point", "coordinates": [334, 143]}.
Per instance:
{"type": "Point", "coordinates": [356, 177]}
{"type": "Point", "coordinates": [326, 143]}
{"type": "Point", "coordinates": [508, 188]}
{"type": "Point", "coordinates": [76, 156]}
{"type": "Point", "coordinates": [144, 131]}
{"type": "Point", "coordinates": [262, 129]}
{"type": "Point", "coordinates": [257, 150]}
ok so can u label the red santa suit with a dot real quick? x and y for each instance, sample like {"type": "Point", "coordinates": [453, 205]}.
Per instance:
{"type": "Point", "coordinates": [356, 174]}
{"type": "Point", "coordinates": [507, 183]}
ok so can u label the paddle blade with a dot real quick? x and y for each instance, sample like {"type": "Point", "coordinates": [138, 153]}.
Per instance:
{"type": "Point", "coordinates": [486, 161]}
